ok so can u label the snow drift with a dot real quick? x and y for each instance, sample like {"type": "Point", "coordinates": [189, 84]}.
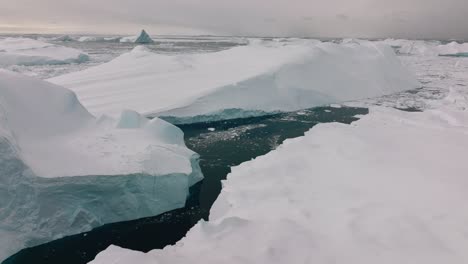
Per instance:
{"type": "Point", "coordinates": [390, 188]}
{"type": "Point", "coordinates": [263, 76]}
{"type": "Point", "coordinates": [24, 51]}
{"type": "Point", "coordinates": [63, 172]}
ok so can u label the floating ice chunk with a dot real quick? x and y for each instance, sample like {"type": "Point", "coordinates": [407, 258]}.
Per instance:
{"type": "Point", "coordinates": [261, 77]}
{"type": "Point", "coordinates": [372, 192]}
{"type": "Point", "coordinates": [24, 51]}
{"type": "Point", "coordinates": [98, 39]}
{"type": "Point", "coordinates": [64, 38]}
{"type": "Point", "coordinates": [63, 172]}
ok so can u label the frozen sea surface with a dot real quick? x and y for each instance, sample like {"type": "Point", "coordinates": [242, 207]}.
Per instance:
{"type": "Point", "coordinates": [104, 51]}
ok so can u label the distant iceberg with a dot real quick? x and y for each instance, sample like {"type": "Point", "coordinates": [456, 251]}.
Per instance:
{"type": "Point", "coordinates": [63, 172]}
{"type": "Point", "coordinates": [263, 76]}
{"type": "Point", "coordinates": [64, 38]}
{"type": "Point", "coordinates": [143, 38]}
{"type": "Point", "coordinates": [428, 48]}
{"type": "Point", "coordinates": [24, 51]}
{"type": "Point", "coordinates": [98, 39]}
{"type": "Point", "coordinates": [454, 49]}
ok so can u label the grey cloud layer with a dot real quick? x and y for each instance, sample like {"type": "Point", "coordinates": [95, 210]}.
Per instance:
{"type": "Point", "coordinates": [365, 18]}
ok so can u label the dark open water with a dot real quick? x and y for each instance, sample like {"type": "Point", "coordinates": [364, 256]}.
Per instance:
{"type": "Point", "coordinates": [232, 143]}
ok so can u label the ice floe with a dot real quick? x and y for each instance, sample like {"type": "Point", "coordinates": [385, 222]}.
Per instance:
{"type": "Point", "coordinates": [28, 52]}
{"type": "Point", "coordinates": [63, 171]}
{"type": "Point", "coordinates": [264, 76]}
{"type": "Point", "coordinates": [389, 188]}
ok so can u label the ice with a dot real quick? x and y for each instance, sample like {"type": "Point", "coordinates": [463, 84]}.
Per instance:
{"type": "Point", "coordinates": [62, 171]}
{"type": "Point", "coordinates": [265, 76]}
{"type": "Point", "coordinates": [27, 52]}
{"type": "Point", "coordinates": [428, 48]}
{"type": "Point", "coordinates": [98, 39]}
{"type": "Point", "coordinates": [144, 38]}
{"type": "Point", "coordinates": [389, 188]}
{"type": "Point", "coordinates": [65, 38]}
{"type": "Point", "coordinates": [454, 49]}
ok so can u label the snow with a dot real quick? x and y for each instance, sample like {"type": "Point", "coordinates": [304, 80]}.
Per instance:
{"type": "Point", "coordinates": [63, 171]}
{"type": "Point", "coordinates": [24, 51]}
{"type": "Point", "coordinates": [389, 188]}
{"type": "Point", "coordinates": [260, 77]}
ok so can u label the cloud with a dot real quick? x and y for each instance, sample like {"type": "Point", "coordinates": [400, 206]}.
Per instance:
{"type": "Point", "coordinates": [315, 18]}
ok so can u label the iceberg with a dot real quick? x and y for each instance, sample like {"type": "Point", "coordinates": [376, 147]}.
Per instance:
{"type": "Point", "coordinates": [143, 38]}
{"type": "Point", "coordinates": [28, 52]}
{"type": "Point", "coordinates": [389, 188]}
{"type": "Point", "coordinates": [263, 76]}
{"type": "Point", "coordinates": [64, 38]}
{"type": "Point", "coordinates": [63, 171]}
{"type": "Point", "coordinates": [428, 48]}
{"type": "Point", "coordinates": [453, 49]}
{"type": "Point", "coordinates": [98, 39]}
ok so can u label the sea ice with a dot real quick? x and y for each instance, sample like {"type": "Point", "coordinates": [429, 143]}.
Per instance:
{"type": "Point", "coordinates": [389, 188]}
{"type": "Point", "coordinates": [24, 51]}
{"type": "Point", "coordinates": [264, 76]}
{"type": "Point", "coordinates": [62, 171]}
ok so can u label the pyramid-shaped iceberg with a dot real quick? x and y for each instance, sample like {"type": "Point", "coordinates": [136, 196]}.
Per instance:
{"type": "Point", "coordinates": [144, 38]}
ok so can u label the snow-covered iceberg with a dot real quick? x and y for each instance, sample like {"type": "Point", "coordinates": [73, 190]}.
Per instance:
{"type": "Point", "coordinates": [98, 39]}
{"type": "Point", "coordinates": [24, 51]}
{"type": "Point", "coordinates": [453, 49]}
{"type": "Point", "coordinates": [428, 48]}
{"type": "Point", "coordinates": [390, 188]}
{"type": "Point", "coordinates": [65, 38]}
{"type": "Point", "coordinates": [62, 171]}
{"type": "Point", "coordinates": [262, 76]}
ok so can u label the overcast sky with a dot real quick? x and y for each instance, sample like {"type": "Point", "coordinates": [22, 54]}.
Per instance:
{"type": "Point", "coordinates": [314, 18]}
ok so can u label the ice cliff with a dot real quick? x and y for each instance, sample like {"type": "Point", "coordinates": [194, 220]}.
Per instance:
{"type": "Point", "coordinates": [62, 171]}
{"type": "Point", "coordinates": [389, 188]}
